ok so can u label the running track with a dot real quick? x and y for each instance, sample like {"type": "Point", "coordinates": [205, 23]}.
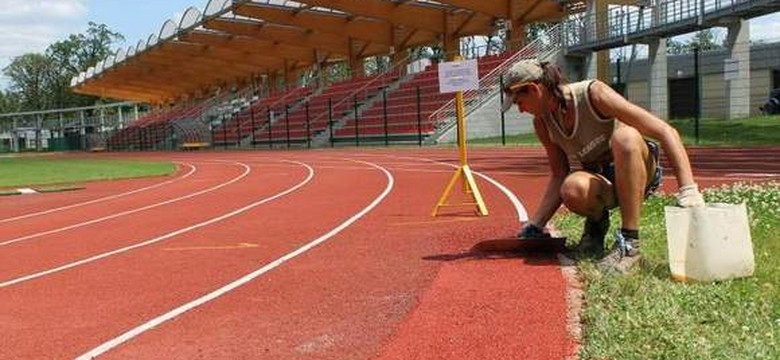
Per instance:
{"type": "Point", "coordinates": [326, 254]}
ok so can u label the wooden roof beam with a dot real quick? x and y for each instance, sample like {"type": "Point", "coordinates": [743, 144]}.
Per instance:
{"type": "Point", "coordinates": [249, 44]}
{"type": "Point", "coordinates": [173, 62]}
{"type": "Point", "coordinates": [364, 29]}
{"type": "Point", "coordinates": [408, 14]}
{"type": "Point", "coordinates": [227, 56]}
{"type": "Point", "coordinates": [103, 89]}
{"type": "Point", "coordinates": [280, 34]}
{"type": "Point", "coordinates": [495, 8]}
{"type": "Point", "coordinates": [122, 95]}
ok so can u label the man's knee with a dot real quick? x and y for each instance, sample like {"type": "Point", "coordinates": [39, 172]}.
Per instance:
{"type": "Point", "coordinates": [627, 141]}
{"type": "Point", "coordinates": [574, 191]}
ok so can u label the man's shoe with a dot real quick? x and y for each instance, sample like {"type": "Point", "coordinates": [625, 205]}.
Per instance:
{"type": "Point", "coordinates": [623, 256]}
{"type": "Point", "coordinates": [592, 240]}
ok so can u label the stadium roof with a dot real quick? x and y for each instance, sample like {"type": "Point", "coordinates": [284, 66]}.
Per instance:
{"type": "Point", "coordinates": [235, 40]}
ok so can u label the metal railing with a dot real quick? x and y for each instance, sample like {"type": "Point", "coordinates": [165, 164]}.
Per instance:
{"type": "Point", "coordinates": [618, 24]}
{"type": "Point", "coordinates": [546, 46]}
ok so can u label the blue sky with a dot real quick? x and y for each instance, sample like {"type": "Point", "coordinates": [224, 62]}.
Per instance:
{"type": "Point", "coordinates": [31, 25]}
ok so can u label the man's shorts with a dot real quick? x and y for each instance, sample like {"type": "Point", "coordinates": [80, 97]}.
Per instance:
{"type": "Point", "coordinates": [608, 170]}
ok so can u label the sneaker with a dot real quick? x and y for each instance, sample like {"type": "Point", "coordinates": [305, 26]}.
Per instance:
{"type": "Point", "coordinates": [623, 256]}
{"type": "Point", "coordinates": [592, 240]}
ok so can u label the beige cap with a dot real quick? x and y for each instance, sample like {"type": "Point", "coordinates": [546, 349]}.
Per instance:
{"type": "Point", "coordinates": [522, 72]}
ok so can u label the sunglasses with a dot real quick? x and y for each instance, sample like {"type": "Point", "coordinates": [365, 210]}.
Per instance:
{"type": "Point", "coordinates": [515, 89]}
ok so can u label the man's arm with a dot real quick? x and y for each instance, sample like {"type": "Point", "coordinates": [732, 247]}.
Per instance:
{"type": "Point", "coordinates": [559, 165]}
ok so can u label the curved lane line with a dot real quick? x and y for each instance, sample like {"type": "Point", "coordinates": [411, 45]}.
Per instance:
{"type": "Point", "coordinates": [193, 169]}
{"type": "Point", "coordinates": [246, 172]}
{"type": "Point", "coordinates": [163, 237]}
{"type": "Point", "coordinates": [107, 346]}
{"type": "Point", "coordinates": [522, 214]}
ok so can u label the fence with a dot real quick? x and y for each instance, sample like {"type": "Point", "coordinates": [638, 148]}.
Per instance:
{"type": "Point", "coordinates": [69, 129]}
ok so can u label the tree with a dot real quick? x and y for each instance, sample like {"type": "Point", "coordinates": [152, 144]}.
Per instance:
{"type": "Point", "coordinates": [675, 47]}
{"type": "Point", "coordinates": [705, 41]}
{"type": "Point", "coordinates": [76, 54]}
{"type": "Point", "coordinates": [80, 51]}
{"type": "Point", "coordinates": [9, 102]}
{"type": "Point", "coordinates": [30, 76]}
{"type": "Point", "coordinates": [42, 81]}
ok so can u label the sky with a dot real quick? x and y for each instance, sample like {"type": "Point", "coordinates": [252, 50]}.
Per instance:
{"type": "Point", "coordinates": [31, 25]}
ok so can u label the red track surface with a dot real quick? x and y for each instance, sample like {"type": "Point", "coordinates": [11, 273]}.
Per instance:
{"type": "Point", "coordinates": [396, 284]}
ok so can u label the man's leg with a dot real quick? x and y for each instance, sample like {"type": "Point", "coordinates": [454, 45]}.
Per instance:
{"type": "Point", "coordinates": [634, 167]}
{"type": "Point", "coordinates": [591, 196]}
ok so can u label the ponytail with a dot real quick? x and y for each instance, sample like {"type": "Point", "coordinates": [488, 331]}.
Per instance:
{"type": "Point", "coordinates": [552, 79]}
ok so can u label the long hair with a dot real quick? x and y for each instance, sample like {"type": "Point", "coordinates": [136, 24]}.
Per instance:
{"type": "Point", "coordinates": [552, 79]}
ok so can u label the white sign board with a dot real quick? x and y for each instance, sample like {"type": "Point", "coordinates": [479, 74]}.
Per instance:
{"type": "Point", "coordinates": [458, 76]}
{"type": "Point", "coordinates": [730, 69]}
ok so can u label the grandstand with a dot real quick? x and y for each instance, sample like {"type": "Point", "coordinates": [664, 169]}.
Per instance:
{"type": "Point", "coordinates": [230, 53]}
{"type": "Point", "coordinates": [254, 73]}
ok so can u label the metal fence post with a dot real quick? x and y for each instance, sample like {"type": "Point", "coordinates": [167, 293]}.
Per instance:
{"type": "Point", "coordinates": [384, 111]}
{"type": "Point", "coordinates": [238, 130]}
{"type": "Point", "coordinates": [330, 120]}
{"type": "Point", "coordinates": [419, 117]}
{"type": "Point", "coordinates": [696, 96]}
{"type": "Point", "coordinates": [503, 115]}
{"type": "Point", "coordinates": [254, 125]}
{"type": "Point", "coordinates": [308, 127]}
{"type": "Point", "coordinates": [224, 134]}
{"type": "Point", "coordinates": [357, 126]}
{"type": "Point", "coordinates": [83, 131]}
{"type": "Point", "coordinates": [287, 123]}
{"type": "Point", "coordinates": [270, 134]}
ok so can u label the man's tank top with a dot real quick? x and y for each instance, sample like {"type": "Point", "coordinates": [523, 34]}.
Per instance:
{"type": "Point", "coordinates": [589, 141]}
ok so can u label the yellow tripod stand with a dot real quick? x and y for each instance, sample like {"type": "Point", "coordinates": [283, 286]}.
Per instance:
{"type": "Point", "coordinates": [463, 173]}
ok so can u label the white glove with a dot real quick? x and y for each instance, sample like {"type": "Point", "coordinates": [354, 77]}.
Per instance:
{"type": "Point", "coordinates": [689, 196]}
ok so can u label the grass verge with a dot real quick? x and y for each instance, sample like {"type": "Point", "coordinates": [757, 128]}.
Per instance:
{"type": "Point", "coordinates": [753, 131]}
{"type": "Point", "coordinates": [29, 171]}
{"type": "Point", "coordinates": [645, 315]}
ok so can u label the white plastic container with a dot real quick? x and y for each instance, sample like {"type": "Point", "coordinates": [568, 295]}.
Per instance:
{"type": "Point", "coordinates": [709, 243]}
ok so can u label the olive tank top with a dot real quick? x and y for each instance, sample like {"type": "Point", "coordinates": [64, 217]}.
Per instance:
{"type": "Point", "coordinates": [589, 142]}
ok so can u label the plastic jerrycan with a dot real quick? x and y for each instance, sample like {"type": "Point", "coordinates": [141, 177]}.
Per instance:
{"type": "Point", "coordinates": [709, 243]}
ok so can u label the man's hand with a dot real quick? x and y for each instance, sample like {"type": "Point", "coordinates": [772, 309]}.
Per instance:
{"type": "Point", "coordinates": [531, 231]}
{"type": "Point", "coordinates": [689, 196]}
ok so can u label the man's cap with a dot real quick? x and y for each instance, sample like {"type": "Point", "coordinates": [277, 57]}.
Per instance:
{"type": "Point", "coordinates": [521, 73]}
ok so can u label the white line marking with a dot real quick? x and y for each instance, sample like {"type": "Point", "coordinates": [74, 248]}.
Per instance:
{"type": "Point", "coordinates": [246, 172]}
{"type": "Point", "coordinates": [20, 217]}
{"type": "Point", "coordinates": [163, 237]}
{"type": "Point", "coordinates": [522, 215]}
{"type": "Point", "coordinates": [747, 175]}
{"type": "Point", "coordinates": [107, 346]}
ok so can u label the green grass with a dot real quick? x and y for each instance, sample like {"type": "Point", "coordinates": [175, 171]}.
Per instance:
{"type": "Point", "coordinates": [518, 139]}
{"type": "Point", "coordinates": [29, 171]}
{"type": "Point", "coordinates": [753, 131]}
{"type": "Point", "coordinates": [646, 315]}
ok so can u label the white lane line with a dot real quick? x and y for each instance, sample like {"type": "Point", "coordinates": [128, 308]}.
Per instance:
{"type": "Point", "coordinates": [107, 346]}
{"type": "Point", "coordinates": [163, 237]}
{"type": "Point", "coordinates": [246, 172]}
{"type": "Point", "coordinates": [522, 214]}
{"type": "Point", "coordinates": [193, 169]}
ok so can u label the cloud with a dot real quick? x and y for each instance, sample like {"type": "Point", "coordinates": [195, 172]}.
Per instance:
{"type": "Point", "coordinates": [32, 25]}
{"type": "Point", "coordinates": [765, 27]}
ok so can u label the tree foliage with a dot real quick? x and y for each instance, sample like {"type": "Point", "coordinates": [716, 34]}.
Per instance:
{"type": "Point", "coordinates": [42, 81]}
{"type": "Point", "coordinates": [703, 40]}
